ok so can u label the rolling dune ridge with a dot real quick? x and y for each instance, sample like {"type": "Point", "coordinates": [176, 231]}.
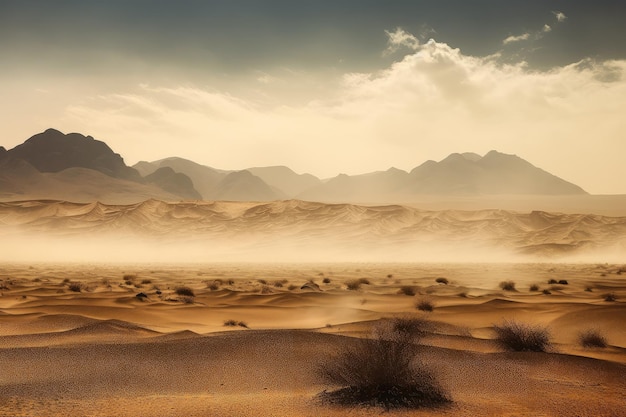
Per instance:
{"type": "Point", "coordinates": [293, 229]}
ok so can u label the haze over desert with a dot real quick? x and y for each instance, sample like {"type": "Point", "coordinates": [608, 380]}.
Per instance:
{"type": "Point", "coordinates": [294, 209]}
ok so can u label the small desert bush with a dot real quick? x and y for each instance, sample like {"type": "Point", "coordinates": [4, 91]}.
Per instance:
{"type": "Point", "coordinates": [292, 287]}
{"type": "Point", "coordinates": [185, 299]}
{"type": "Point", "coordinates": [75, 286]}
{"type": "Point", "coordinates": [407, 290]}
{"type": "Point", "coordinates": [592, 338]}
{"type": "Point", "coordinates": [278, 284]}
{"type": "Point", "coordinates": [326, 280]}
{"type": "Point", "coordinates": [364, 281]}
{"type": "Point", "coordinates": [262, 281]}
{"type": "Point", "coordinates": [354, 285]}
{"type": "Point", "coordinates": [546, 292]}
{"type": "Point", "coordinates": [425, 305]}
{"type": "Point", "coordinates": [383, 371]}
{"type": "Point", "coordinates": [442, 280]}
{"type": "Point", "coordinates": [214, 285]}
{"type": "Point", "coordinates": [507, 285]}
{"type": "Point", "coordinates": [184, 291]}
{"type": "Point", "coordinates": [610, 297]}
{"type": "Point", "coordinates": [235, 323]}
{"type": "Point", "coordinates": [534, 287]}
{"type": "Point", "coordinates": [563, 282]}
{"type": "Point", "coordinates": [146, 281]}
{"type": "Point", "coordinates": [130, 277]}
{"type": "Point", "coordinates": [553, 281]}
{"type": "Point", "coordinates": [522, 337]}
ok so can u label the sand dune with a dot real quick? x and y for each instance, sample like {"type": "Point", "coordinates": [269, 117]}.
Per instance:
{"type": "Point", "coordinates": [392, 232]}
{"type": "Point", "coordinates": [104, 351]}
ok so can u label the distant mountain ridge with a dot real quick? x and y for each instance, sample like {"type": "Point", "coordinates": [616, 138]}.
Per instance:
{"type": "Point", "coordinates": [37, 167]}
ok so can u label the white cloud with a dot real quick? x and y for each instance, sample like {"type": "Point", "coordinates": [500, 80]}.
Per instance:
{"type": "Point", "coordinates": [400, 38]}
{"type": "Point", "coordinates": [560, 16]}
{"type": "Point", "coordinates": [433, 101]}
{"type": "Point", "coordinates": [512, 38]}
{"type": "Point", "coordinates": [546, 28]}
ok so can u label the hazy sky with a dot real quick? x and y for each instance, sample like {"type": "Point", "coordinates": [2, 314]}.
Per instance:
{"type": "Point", "coordinates": [325, 87]}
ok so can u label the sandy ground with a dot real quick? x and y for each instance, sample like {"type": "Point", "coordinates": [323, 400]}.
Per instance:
{"type": "Point", "coordinates": [76, 340]}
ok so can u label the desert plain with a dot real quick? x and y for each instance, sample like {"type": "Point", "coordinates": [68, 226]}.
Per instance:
{"type": "Point", "coordinates": [120, 340]}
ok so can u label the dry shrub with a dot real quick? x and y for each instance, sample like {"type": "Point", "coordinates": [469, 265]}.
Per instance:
{"type": "Point", "coordinates": [75, 286]}
{"type": "Point", "coordinates": [534, 287]}
{"type": "Point", "coordinates": [546, 292]}
{"type": "Point", "coordinates": [292, 287]}
{"type": "Point", "coordinates": [610, 297]}
{"type": "Point", "coordinates": [326, 280]}
{"type": "Point", "coordinates": [407, 290]}
{"type": "Point", "coordinates": [383, 371]}
{"type": "Point", "coordinates": [146, 281]}
{"type": "Point", "coordinates": [442, 280]}
{"type": "Point", "coordinates": [522, 337]}
{"type": "Point", "coordinates": [553, 281]}
{"type": "Point", "coordinates": [364, 281]}
{"type": "Point", "coordinates": [235, 323]}
{"type": "Point", "coordinates": [184, 291]}
{"type": "Point", "coordinates": [507, 285]}
{"type": "Point", "coordinates": [425, 305]}
{"type": "Point", "coordinates": [354, 285]}
{"type": "Point", "coordinates": [592, 338]}
{"type": "Point", "coordinates": [278, 284]}
{"type": "Point", "coordinates": [185, 299]}
{"type": "Point", "coordinates": [563, 282]}
{"type": "Point", "coordinates": [214, 286]}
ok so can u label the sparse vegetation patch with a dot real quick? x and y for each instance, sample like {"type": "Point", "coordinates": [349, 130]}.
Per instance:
{"type": "Point", "coordinates": [592, 338]}
{"type": "Point", "coordinates": [407, 290]}
{"type": "Point", "coordinates": [507, 285]}
{"type": "Point", "coordinates": [522, 337]}
{"type": "Point", "coordinates": [425, 305]}
{"type": "Point", "coordinates": [184, 291]}
{"type": "Point", "coordinates": [353, 285]}
{"type": "Point", "coordinates": [610, 297]}
{"type": "Point", "coordinates": [383, 371]}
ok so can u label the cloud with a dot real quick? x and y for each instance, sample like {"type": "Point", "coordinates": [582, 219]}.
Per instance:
{"type": "Point", "coordinates": [560, 16]}
{"type": "Point", "coordinates": [534, 36]}
{"type": "Point", "coordinates": [511, 39]}
{"type": "Point", "coordinates": [433, 101]}
{"type": "Point", "coordinates": [400, 38]}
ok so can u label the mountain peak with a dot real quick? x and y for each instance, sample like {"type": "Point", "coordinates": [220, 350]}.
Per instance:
{"type": "Point", "coordinates": [53, 151]}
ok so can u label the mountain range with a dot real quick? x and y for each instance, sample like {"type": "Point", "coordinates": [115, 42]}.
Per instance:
{"type": "Point", "coordinates": [74, 167]}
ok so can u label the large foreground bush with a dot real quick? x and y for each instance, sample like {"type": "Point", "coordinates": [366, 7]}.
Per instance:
{"type": "Point", "coordinates": [384, 371]}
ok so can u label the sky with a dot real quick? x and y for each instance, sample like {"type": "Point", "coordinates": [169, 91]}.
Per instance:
{"type": "Point", "coordinates": [325, 86]}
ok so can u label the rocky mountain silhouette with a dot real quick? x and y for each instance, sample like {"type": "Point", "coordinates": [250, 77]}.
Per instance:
{"type": "Point", "coordinates": [26, 169]}
{"type": "Point", "coordinates": [53, 151]}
